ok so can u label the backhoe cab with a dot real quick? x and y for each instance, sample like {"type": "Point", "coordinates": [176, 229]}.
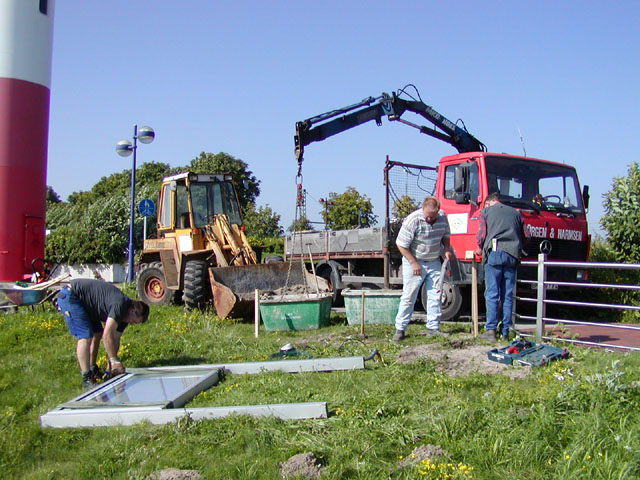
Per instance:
{"type": "Point", "coordinates": [199, 226]}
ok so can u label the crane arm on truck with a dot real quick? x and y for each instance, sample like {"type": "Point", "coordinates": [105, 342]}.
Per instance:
{"type": "Point", "coordinates": [320, 127]}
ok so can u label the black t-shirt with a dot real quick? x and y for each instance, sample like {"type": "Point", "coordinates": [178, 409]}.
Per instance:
{"type": "Point", "coordinates": [102, 300]}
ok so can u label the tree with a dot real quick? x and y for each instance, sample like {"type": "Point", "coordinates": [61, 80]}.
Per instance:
{"type": "Point", "coordinates": [52, 196]}
{"type": "Point", "coordinates": [247, 185]}
{"type": "Point", "coordinates": [119, 184]}
{"type": "Point", "coordinates": [93, 226]}
{"type": "Point", "coordinates": [300, 225]}
{"type": "Point", "coordinates": [403, 206]}
{"type": "Point", "coordinates": [622, 215]}
{"type": "Point", "coordinates": [348, 210]}
{"type": "Point", "coordinates": [262, 222]}
{"type": "Point", "coordinates": [148, 174]}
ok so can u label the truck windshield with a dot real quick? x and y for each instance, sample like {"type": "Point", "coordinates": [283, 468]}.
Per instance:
{"type": "Point", "coordinates": [538, 185]}
{"type": "Point", "coordinates": [213, 198]}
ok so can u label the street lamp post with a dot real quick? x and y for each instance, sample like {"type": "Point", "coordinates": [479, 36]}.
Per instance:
{"type": "Point", "coordinates": [124, 149]}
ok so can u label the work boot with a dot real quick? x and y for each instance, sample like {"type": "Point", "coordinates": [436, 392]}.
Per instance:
{"type": "Point", "coordinates": [96, 374]}
{"type": "Point", "coordinates": [435, 332]}
{"type": "Point", "coordinates": [87, 381]}
{"type": "Point", "coordinates": [504, 337]}
{"type": "Point", "coordinates": [398, 336]}
{"type": "Point", "coordinates": [489, 335]}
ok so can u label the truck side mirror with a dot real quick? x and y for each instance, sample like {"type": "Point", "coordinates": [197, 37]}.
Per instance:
{"type": "Point", "coordinates": [460, 174]}
{"type": "Point", "coordinates": [585, 196]}
{"type": "Point", "coordinates": [173, 186]}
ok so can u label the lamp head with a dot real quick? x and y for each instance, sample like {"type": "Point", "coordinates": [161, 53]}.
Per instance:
{"type": "Point", "coordinates": [146, 134]}
{"type": "Point", "coordinates": [124, 148]}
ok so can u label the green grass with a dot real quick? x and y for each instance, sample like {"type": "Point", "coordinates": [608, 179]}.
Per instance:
{"type": "Point", "coordinates": [574, 419]}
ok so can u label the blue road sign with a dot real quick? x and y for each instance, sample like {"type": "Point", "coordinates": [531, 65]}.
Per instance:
{"type": "Point", "coordinates": [146, 207]}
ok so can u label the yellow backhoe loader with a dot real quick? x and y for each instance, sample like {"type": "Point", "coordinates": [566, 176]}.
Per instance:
{"type": "Point", "coordinates": [202, 254]}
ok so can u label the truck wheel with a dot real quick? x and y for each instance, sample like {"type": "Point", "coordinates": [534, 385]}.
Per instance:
{"type": "Point", "coordinates": [151, 285]}
{"type": "Point", "coordinates": [195, 281]}
{"type": "Point", "coordinates": [451, 300]}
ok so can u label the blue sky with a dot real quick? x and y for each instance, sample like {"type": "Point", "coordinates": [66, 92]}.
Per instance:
{"type": "Point", "coordinates": [234, 77]}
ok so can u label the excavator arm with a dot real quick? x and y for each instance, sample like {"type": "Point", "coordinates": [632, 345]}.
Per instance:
{"type": "Point", "coordinates": [320, 127]}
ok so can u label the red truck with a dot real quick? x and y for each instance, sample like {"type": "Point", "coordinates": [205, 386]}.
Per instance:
{"type": "Point", "coordinates": [548, 195]}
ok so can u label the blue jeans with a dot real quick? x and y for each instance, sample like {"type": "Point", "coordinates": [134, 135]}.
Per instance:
{"type": "Point", "coordinates": [430, 273]}
{"type": "Point", "coordinates": [499, 282]}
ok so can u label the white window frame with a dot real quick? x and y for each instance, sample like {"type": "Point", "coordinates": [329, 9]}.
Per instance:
{"type": "Point", "coordinates": [83, 412]}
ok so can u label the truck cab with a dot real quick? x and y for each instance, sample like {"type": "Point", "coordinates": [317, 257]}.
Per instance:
{"type": "Point", "coordinates": [546, 193]}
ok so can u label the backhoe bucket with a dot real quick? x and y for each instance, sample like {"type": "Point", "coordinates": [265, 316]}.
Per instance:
{"type": "Point", "coordinates": [233, 288]}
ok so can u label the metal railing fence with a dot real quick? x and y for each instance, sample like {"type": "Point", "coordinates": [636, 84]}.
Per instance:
{"type": "Point", "coordinates": [541, 300]}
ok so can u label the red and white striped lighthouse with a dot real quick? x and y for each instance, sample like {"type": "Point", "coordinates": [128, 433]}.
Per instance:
{"type": "Point", "coordinates": [26, 35]}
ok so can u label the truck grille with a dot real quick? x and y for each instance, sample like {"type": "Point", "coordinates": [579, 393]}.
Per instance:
{"type": "Point", "coordinates": [560, 249]}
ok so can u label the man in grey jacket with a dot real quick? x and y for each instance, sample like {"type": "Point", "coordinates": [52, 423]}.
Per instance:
{"type": "Point", "coordinates": [500, 237]}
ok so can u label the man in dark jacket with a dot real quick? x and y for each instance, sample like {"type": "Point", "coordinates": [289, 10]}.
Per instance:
{"type": "Point", "coordinates": [500, 237]}
{"type": "Point", "coordinates": [85, 305]}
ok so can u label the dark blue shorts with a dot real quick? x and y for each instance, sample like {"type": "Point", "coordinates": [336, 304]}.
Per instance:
{"type": "Point", "coordinates": [79, 324]}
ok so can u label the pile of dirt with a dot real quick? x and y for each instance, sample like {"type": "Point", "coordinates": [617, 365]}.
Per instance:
{"type": "Point", "coordinates": [290, 290]}
{"type": "Point", "coordinates": [459, 358]}
{"type": "Point", "coordinates": [303, 465]}
{"type": "Point", "coordinates": [175, 474]}
{"type": "Point", "coordinates": [423, 452]}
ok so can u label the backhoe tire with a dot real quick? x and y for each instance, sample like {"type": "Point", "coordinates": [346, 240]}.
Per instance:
{"type": "Point", "coordinates": [194, 294]}
{"type": "Point", "coordinates": [151, 285]}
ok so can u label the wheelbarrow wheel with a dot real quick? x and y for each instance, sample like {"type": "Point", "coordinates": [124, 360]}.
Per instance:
{"type": "Point", "coordinates": [195, 284]}
{"type": "Point", "coordinates": [151, 285]}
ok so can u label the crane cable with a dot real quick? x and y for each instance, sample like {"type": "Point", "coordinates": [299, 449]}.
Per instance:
{"type": "Point", "coordinates": [299, 213]}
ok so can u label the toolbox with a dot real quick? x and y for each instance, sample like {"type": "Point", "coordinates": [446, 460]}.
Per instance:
{"type": "Point", "coordinates": [524, 352]}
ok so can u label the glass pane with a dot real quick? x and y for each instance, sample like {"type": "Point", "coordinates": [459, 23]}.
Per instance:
{"type": "Point", "coordinates": [214, 198]}
{"type": "Point", "coordinates": [473, 182]}
{"type": "Point", "coordinates": [541, 185]}
{"type": "Point", "coordinates": [230, 205]}
{"type": "Point", "coordinates": [449, 178]}
{"type": "Point", "coordinates": [146, 388]}
{"type": "Point", "coordinates": [200, 204]}
{"type": "Point", "coordinates": [182, 207]}
{"type": "Point", "coordinates": [165, 216]}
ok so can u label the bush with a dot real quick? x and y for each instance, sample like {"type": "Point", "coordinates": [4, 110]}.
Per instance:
{"type": "Point", "coordinates": [622, 215]}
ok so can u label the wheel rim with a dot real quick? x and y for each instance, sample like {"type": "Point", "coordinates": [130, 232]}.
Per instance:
{"type": "Point", "coordinates": [447, 297]}
{"type": "Point", "coordinates": [154, 288]}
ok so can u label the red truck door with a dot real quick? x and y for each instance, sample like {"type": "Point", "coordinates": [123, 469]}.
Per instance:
{"type": "Point", "coordinates": [461, 206]}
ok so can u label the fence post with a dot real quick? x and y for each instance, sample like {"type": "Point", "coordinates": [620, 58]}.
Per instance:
{"type": "Point", "coordinates": [540, 304]}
